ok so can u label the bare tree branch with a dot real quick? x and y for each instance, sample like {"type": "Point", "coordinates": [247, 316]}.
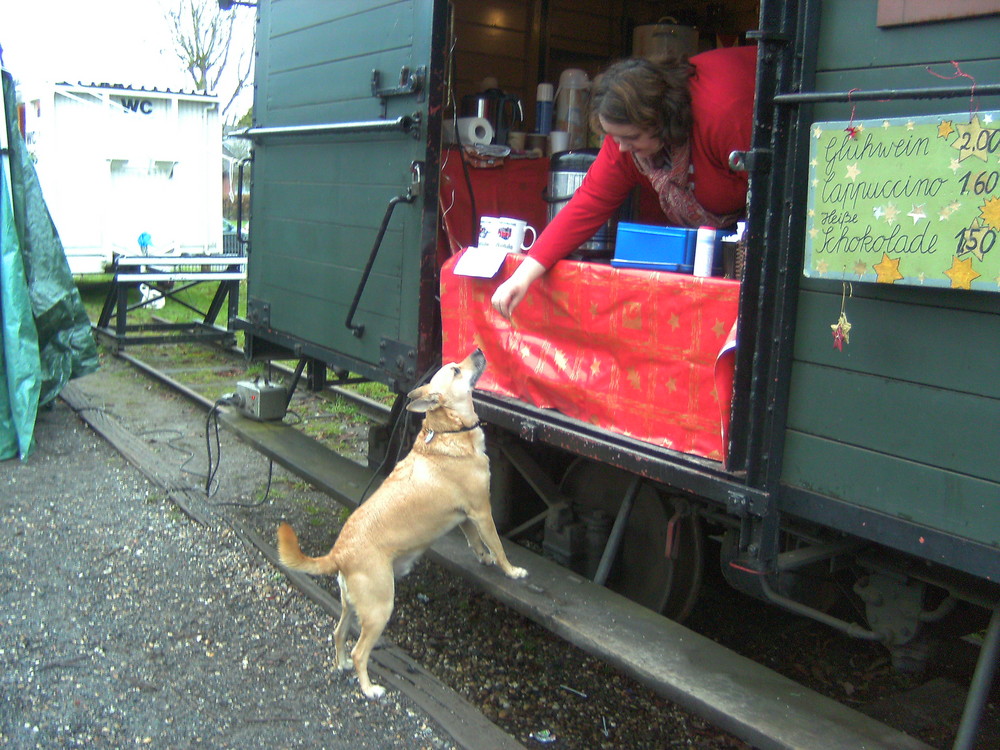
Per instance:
{"type": "Point", "coordinates": [203, 38]}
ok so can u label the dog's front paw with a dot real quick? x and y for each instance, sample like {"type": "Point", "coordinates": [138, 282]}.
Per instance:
{"type": "Point", "coordinates": [517, 573]}
{"type": "Point", "coordinates": [374, 692]}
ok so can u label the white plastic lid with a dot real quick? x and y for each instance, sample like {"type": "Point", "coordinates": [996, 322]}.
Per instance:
{"type": "Point", "coordinates": [545, 92]}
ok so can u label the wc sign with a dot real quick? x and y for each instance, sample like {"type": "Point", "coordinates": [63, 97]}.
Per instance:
{"type": "Point", "coordinates": [136, 105]}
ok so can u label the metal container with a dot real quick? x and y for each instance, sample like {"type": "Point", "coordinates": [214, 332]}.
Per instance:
{"type": "Point", "coordinates": [566, 172]}
{"type": "Point", "coordinates": [664, 37]}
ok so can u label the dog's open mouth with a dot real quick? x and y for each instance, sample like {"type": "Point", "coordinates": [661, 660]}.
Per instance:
{"type": "Point", "coordinates": [478, 361]}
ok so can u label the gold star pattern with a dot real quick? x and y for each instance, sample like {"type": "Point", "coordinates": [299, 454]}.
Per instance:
{"type": "Point", "coordinates": [822, 266]}
{"type": "Point", "coordinates": [990, 212]}
{"type": "Point", "coordinates": [961, 274]}
{"type": "Point", "coordinates": [719, 329]}
{"type": "Point", "coordinates": [853, 172]}
{"type": "Point", "coordinates": [595, 369]}
{"type": "Point", "coordinates": [887, 270]}
{"type": "Point", "coordinates": [672, 384]}
{"type": "Point", "coordinates": [945, 129]}
{"type": "Point", "coordinates": [633, 379]}
{"type": "Point", "coordinates": [972, 131]}
{"type": "Point", "coordinates": [674, 321]}
{"type": "Point", "coordinates": [891, 212]}
{"type": "Point", "coordinates": [560, 359]}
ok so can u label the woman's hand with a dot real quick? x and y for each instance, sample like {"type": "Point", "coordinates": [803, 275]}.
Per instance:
{"type": "Point", "coordinates": [510, 293]}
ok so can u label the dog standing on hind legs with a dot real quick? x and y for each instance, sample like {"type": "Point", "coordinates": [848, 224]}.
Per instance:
{"type": "Point", "coordinates": [443, 482]}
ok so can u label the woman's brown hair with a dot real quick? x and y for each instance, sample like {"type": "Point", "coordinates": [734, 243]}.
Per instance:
{"type": "Point", "coordinates": [652, 94]}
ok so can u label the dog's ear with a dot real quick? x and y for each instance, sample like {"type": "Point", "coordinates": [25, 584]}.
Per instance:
{"type": "Point", "coordinates": [422, 402]}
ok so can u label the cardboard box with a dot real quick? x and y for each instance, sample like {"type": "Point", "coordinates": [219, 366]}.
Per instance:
{"type": "Point", "coordinates": [655, 248]}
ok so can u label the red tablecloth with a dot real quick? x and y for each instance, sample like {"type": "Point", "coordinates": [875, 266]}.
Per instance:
{"type": "Point", "coordinates": [513, 189]}
{"type": "Point", "coordinates": [636, 352]}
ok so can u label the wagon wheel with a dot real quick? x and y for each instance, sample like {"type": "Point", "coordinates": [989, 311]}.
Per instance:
{"type": "Point", "coordinates": [644, 571]}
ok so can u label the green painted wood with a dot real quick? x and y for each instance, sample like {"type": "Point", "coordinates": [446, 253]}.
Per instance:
{"type": "Point", "coordinates": [931, 426]}
{"type": "Point", "coordinates": [938, 499]}
{"type": "Point", "coordinates": [907, 339]}
{"type": "Point", "coordinates": [318, 201]}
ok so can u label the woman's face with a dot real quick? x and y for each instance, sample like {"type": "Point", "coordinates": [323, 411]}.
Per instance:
{"type": "Point", "coordinates": [633, 139]}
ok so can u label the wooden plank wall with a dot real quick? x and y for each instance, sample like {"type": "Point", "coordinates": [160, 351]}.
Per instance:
{"type": "Point", "coordinates": [524, 42]}
{"type": "Point", "coordinates": [904, 421]}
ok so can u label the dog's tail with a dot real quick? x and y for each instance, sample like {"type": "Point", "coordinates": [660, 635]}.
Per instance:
{"type": "Point", "coordinates": [291, 555]}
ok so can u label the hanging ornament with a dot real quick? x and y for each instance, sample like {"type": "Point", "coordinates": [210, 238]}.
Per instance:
{"type": "Point", "coordinates": [852, 130]}
{"type": "Point", "coordinates": [842, 328]}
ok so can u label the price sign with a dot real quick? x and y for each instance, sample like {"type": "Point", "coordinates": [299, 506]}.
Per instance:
{"type": "Point", "coordinates": [906, 201]}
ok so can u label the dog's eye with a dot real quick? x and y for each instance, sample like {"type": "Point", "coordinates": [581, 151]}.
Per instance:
{"type": "Point", "coordinates": [457, 371]}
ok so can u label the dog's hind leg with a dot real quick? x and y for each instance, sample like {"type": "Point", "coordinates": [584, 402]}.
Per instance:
{"type": "Point", "coordinates": [483, 522]}
{"type": "Point", "coordinates": [343, 626]}
{"type": "Point", "coordinates": [372, 595]}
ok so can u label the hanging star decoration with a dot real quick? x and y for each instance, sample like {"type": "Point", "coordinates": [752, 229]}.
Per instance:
{"type": "Point", "coordinates": [842, 328]}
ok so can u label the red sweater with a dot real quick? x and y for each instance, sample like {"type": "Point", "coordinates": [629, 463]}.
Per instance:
{"type": "Point", "coordinates": [722, 94]}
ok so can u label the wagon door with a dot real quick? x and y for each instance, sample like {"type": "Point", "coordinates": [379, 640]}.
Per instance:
{"type": "Point", "coordinates": [342, 233]}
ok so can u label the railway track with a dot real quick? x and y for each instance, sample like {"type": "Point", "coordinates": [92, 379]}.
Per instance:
{"type": "Point", "coordinates": [732, 692]}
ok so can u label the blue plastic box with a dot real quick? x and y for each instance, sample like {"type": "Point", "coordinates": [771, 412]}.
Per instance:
{"type": "Point", "coordinates": [655, 248]}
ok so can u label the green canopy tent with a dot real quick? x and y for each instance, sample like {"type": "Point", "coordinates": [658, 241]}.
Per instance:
{"type": "Point", "coordinates": [45, 336]}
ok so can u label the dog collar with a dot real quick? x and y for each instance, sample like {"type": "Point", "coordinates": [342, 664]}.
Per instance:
{"type": "Point", "coordinates": [467, 428]}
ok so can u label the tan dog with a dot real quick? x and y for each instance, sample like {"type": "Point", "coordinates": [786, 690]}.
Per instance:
{"type": "Point", "coordinates": [444, 481]}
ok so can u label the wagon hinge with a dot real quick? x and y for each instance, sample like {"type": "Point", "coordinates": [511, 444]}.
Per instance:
{"type": "Point", "coordinates": [755, 160]}
{"type": "Point", "coordinates": [748, 502]}
{"type": "Point", "coordinates": [768, 35]}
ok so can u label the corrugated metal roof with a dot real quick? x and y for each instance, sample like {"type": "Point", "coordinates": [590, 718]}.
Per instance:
{"type": "Point", "coordinates": [138, 89]}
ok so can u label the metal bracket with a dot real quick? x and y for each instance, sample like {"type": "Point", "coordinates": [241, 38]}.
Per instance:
{"type": "Point", "coordinates": [748, 503]}
{"type": "Point", "coordinates": [395, 356]}
{"type": "Point", "coordinates": [757, 160]}
{"type": "Point", "coordinates": [259, 312]}
{"type": "Point", "coordinates": [409, 83]}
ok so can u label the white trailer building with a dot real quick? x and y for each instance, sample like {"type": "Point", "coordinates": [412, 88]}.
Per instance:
{"type": "Point", "coordinates": [118, 163]}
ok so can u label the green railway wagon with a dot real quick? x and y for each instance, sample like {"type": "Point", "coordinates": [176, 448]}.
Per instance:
{"type": "Point", "coordinates": [865, 413]}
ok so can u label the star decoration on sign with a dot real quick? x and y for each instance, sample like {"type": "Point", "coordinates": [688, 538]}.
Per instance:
{"type": "Point", "coordinates": [888, 270]}
{"type": "Point", "coordinates": [817, 132]}
{"type": "Point", "coordinates": [879, 212]}
{"type": "Point", "coordinates": [945, 129]}
{"type": "Point", "coordinates": [971, 133]}
{"type": "Point", "coordinates": [852, 132]}
{"type": "Point", "coordinates": [860, 268]}
{"type": "Point", "coordinates": [989, 212]}
{"type": "Point", "coordinates": [890, 213]}
{"type": "Point", "coordinates": [822, 266]}
{"type": "Point", "coordinates": [961, 274]}
{"type": "Point", "coordinates": [917, 213]}
{"type": "Point", "coordinates": [948, 210]}
{"type": "Point", "coordinates": [853, 172]}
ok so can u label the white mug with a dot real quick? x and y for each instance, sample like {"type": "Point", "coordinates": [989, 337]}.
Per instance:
{"type": "Point", "coordinates": [504, 233]}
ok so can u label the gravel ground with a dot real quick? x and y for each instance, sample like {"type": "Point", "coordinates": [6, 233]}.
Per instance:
{"type": "Point", "coordinates": [126, 624]}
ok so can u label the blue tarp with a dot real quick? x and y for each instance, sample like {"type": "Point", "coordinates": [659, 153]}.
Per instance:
{"type": "Point", "coordinates": [45, 337]}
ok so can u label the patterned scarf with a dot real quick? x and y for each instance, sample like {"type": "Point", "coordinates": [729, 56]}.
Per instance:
{"type": "Point", "coordinates": [671, 181]}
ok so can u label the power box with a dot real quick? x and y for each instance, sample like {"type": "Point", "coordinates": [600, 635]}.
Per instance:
{"type": "Point", "coordinates": [261, 400]}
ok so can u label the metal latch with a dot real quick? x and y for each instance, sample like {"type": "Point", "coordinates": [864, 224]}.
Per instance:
{"type": "Point", "coordinates": [756, 160]}
{"type": "Point", "coordinates": [409, 83]}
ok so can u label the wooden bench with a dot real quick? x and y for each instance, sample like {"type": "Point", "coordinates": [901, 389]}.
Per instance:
{"type": "Point", "coordinates": [168, 276]}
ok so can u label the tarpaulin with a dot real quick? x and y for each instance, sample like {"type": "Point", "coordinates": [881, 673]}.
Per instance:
{"type": "Point", "coordinates": [46, 335]}
{"type": "Point", "coordinates": [631, 351]}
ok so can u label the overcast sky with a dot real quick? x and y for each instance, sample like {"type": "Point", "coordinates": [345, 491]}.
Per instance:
{"type": "Point", "coordinates": [95, 41]}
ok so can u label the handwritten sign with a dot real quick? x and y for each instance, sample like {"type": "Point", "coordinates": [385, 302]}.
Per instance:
{"type": "Point", "coordinates": [906, 201]}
